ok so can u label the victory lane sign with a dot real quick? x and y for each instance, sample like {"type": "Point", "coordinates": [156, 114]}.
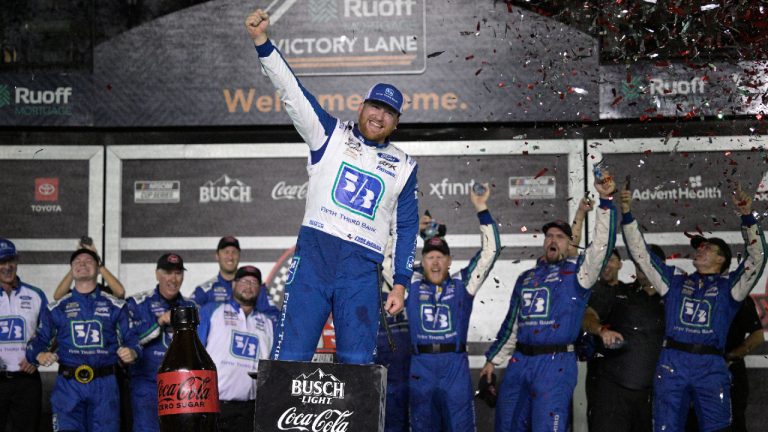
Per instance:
{"type": "Point", "coordinates": [315, 397]}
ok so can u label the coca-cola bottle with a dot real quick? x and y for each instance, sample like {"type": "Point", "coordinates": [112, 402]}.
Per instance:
{"type": "Point", "coordinates": [187, 386]}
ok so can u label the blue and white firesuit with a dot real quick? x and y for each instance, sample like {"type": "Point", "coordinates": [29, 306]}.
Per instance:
{"type": "Point", "coordinates": [441, 393]}
{"type": "Point", "coordinates": [20, 314]}
{"type": "Point", "coordinates": [698, 309]}
{"type": "Point", "coordinates": [541, 326]}
{"type": "Point", "coordinates": [219, 290]}
{"type": "Point", "coordinates": [359, 192]}
{"type": "Point", "coordinates": [145, 309]}
{"type": "Point", "coordinates": [89, 328]}
{"type": "Point", "coordinates": [236, 343]}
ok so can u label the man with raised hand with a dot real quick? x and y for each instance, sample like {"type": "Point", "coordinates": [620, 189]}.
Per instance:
{"type": "Point", "coordinates": [361, 189]}
{"type": "Point", "coordinates": [543, 322]}
{"type": "Point", "coordinates": [439, 306]}
{"type": "Point", "coordinates": [94, 333]}
{"type": "Point", "coordinates": [699, 309]}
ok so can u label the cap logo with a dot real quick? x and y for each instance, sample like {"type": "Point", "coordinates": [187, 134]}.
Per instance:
{"type": "Point", "coordinates": [173, 259]}
{"type": "Point", "coordinates": [389, 92]}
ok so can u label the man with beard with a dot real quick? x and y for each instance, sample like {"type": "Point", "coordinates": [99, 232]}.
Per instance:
{"type": "Point", "coordinates": [151, 314]}
{"type": "Point", "coordinates": [218, 289]}
{"type": "Point", "coordinates": [543, 322]}
{"type": "Point", "coordinates": [699, 308]}
{"type": "Point", "coordinates": [361, 189]}
{"type": "Point", "coordinates": [439, 306]}
{"type": "Point", "coordinates": [628, 320]}
{"type": "Point", "coordinates": [237, 336]}
{"type": "Point", "coordinates": [20, 307]}
{"type": "Point", "coordinates": [94, 333]}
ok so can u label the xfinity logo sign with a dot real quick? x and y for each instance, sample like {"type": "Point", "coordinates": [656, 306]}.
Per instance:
{"type": "Point", "coordinates": [447, 188]}
{"type": "Point", "coordinates": [318, 387]}
{"type": "Point", "coordinates": [225, 189]}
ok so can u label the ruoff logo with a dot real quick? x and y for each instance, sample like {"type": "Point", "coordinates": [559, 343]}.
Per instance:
{"type": "Point", "coordinates": [286, 191]}
{"type": "Point", "coordinates": [317, 387]}
{"type": "Point", "coordinates": [225, 189]}
{"type": "Point", "coordinates": [5, 96]}
{"type": "Point", "coordinates": [46, 189]}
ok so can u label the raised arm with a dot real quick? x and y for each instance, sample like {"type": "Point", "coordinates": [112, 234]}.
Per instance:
{"type": "Point", "coordinates": [312, 122]}
{"type": "Point", "coordinates": [506, 339]}
{"type": "Point", "coordinates": [751, 267]}
{"type": "Point", "coordinates": [577, 227]}
{"type": "Point", "coordinates": [599, 251]}
{"type": "Point", "coordinates": [481, 264]}
{"type": "Point", "coordinates": [658, 273]}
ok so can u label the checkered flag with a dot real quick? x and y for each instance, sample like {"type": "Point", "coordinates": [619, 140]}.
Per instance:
{"type": "Point", "coordinates": [278, 276]}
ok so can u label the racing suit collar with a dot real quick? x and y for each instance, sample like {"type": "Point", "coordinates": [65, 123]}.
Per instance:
{"type": "Point", "coordinates": [14, 288]}
{"type": "Point", "coordinates": [93, 294]}
{"type": "Point", "coordinates": [223, 281]}
{"type": "Point", "coordinates": [236, 306]}
{"type": "Point", "coordinates": [358, 135]}
{"type": "Point", "coordinates": [172, 302]}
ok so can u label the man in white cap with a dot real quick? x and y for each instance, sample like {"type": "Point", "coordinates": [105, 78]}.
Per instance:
{"type": "Point", "coordinates": [20, 308]}
{"type": "Point", "coordinates": [361, 189]}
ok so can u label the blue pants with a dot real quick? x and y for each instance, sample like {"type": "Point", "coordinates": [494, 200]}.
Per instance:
{"type": "Point", "coordinates": [682, 377]}
{"type": "Point", "coordinates": [144, 405]}
{"type": "Point", "coordinates": [329, 275]}
{"type": "Point", "coordinates": [92, 407]}
{"type": "Point", "coordinates": [441, 393]}
{"type": "Point", "coordinates": [535, 393]}
{"type": "Point", "coordinates": [398, 366]}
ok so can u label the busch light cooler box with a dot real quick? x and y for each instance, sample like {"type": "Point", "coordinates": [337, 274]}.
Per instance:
{"type": "Point", "coordinates": [320, 397]}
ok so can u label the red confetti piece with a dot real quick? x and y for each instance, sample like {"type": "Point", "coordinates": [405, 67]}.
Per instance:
{"type": "Point", "coordinates": [617, 100]}
{"type": "Point", "coordinates": [478, 71]}
{"type": "Point", "coordinates": [647, 152]}
{"type": "Point", "coordinates": [541, 173]}
{"type": "Point", "coordinates": [469, 57]}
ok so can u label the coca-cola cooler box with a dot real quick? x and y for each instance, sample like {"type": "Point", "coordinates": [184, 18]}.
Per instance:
{"type": "Point", "coordinates": [315, 397]}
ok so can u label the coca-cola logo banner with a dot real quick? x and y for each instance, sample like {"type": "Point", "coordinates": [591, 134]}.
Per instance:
{"type": "Point", "coordinates": [307, 397]}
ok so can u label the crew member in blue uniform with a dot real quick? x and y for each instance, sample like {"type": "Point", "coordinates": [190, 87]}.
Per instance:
{"type": "Point", "coordinates": [439, 306]}
{"type": "Point", "coordinates": [699, 309]}
{"type": "Point", "coordinates": [218, 289]}
{"type": "Point", "coordinates": [151, 315]}
{"type": "Point", "coordinates": [21, 305]}
{"type": "Point", "coordinates": [94, 333]}
{"type": "Point", "coordinates": [543, 322]}
{"type": "Point", "coordinates": [362, 189]}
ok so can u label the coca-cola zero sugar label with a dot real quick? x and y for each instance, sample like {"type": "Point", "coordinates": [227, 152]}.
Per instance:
{"type": "Point", "coordinates": [187, 392]}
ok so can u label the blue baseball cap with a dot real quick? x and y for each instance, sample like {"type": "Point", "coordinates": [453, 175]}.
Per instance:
{"type": "Point", "coordinates": [7, 250]}
{"type": "Point", "coordinates": [386, 94]}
